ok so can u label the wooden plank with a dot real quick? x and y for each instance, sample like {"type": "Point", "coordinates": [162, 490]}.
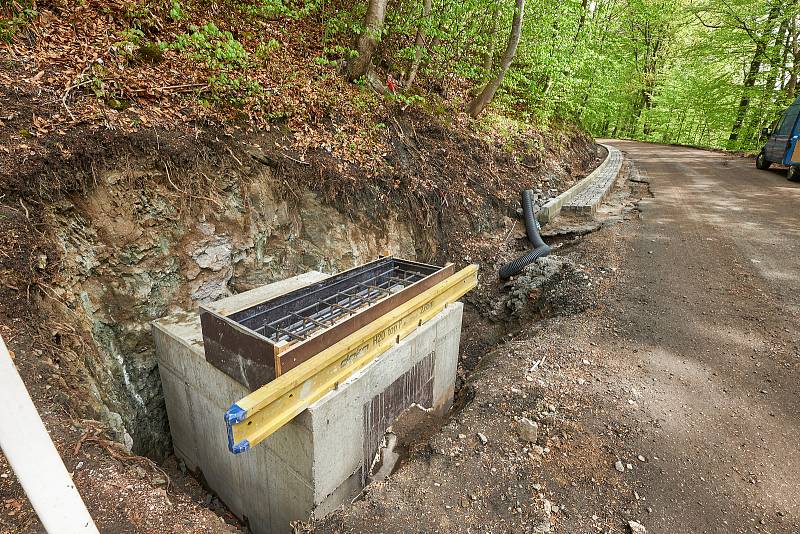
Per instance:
{"type": "Point", "coordinates": [225, 344]}
{"type": "Point", "coordinates": [264, 411]}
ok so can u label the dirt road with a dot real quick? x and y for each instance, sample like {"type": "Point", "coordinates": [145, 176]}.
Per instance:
{"type": "Point", "coordinates": [707, 323]}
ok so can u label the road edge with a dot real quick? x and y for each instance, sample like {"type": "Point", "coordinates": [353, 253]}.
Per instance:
{"type": "Point", "coordinates": [552, 208]}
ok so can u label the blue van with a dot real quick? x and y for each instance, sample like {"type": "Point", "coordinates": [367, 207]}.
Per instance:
{"type": "Point", "coordinates": [782, 146]}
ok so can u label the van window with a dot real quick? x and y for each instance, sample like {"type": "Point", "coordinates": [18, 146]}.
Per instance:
{"type": "Point", "coordinates": [788, 121]}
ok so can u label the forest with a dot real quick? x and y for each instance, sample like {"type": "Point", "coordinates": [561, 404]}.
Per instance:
{"type": "Point", "coordinates": [711, 73]}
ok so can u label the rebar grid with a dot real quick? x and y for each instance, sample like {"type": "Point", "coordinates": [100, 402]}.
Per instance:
{"type": "Point", "coordinates": [302, 324]}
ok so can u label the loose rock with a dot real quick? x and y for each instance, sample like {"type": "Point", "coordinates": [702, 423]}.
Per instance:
{"type": "Point", "coordinates": [528, 430]}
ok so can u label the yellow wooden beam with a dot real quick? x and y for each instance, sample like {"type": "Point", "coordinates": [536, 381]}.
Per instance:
{"type": "Point", "coordinates": [258, 415]}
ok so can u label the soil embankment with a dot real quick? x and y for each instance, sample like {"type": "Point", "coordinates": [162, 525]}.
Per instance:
{"type": "Point", "coordinates": [127, 229]}
{"type": "Point", "coordinates": [136, 180]}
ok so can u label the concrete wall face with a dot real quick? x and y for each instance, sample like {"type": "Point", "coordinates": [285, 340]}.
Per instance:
{"type": "Point", "coordinates": [321, 458]}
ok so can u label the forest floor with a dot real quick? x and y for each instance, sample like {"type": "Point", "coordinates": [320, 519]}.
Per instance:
{"type": "Point", "coordinates": [671, 401]}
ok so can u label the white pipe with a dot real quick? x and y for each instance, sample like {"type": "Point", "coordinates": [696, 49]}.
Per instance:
{"type": "Point", "coordinates": [35, 460]}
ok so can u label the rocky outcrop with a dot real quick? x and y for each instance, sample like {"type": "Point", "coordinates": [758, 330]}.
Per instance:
{"type": "Point", "coordinates": [133, 250]}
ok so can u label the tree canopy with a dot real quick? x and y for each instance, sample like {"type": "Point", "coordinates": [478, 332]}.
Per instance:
{"type": "Point", "coordinates": [709, 73]}
{"type": "Point", "coordinates": [702, 72]}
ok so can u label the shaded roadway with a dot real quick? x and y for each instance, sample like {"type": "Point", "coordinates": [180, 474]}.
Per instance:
{"type": "Point", "coordinates": [707, 317]}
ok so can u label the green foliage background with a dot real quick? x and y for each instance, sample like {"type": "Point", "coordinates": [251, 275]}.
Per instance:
{"type": "Point", "coordinates": [709, 73]}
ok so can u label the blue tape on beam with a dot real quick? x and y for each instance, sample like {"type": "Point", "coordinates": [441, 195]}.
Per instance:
{"type": "Point", "coordinates": [235, 414]}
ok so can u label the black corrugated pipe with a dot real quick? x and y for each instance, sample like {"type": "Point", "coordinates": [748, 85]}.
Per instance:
{"type": "Point", "coordinates": [532, 228]}
{"type": "Point", "coordinates": [531, 224]}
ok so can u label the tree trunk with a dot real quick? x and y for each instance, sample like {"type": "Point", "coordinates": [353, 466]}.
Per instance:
{"type": "Point", "coordinates": [367, 42]}
{"type": "Point", "coordinates": [422, 33]}
{"type": "Point", "coordinates": [581, 21]}
{"type": "Point", "coordinates": [485, 97]}
{"type": "Point", "coordinates": [680, 127]}
{"type": "Point", "coordinates": [763, 112]}
{"type": "Point", "coordinates": [653, 36]}
{"type": "Point", "coordinates": [750, 78]}
{"type": "Point", "coordinates": [787, 48]}
{"type": "Point", "coordinates": [744, 103]}
{"type": "Point", "coordinates": [791, 87]}
{"type": "Point", "coordinates": [588, 90]}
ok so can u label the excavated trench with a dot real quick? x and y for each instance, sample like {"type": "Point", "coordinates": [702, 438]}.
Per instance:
{"type": "Point", "coordinates": [147, 237]}
{"type": "Point", "coordinates": [130, 256]}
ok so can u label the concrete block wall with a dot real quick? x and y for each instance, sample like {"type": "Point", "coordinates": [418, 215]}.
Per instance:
{"type": "Point", "coordinates": [598, 188]}
{"type": "Point", "coordinates": [584, 196]}
{"type": "Point", "coordinates": [320, 459]}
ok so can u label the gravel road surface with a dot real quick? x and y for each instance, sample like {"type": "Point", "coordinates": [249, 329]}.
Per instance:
{"type": "Point", "coordinates": [707, 312]}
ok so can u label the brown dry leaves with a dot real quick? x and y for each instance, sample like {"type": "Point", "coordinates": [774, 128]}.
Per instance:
{"type": "Point", "coordinates": [77, 62]}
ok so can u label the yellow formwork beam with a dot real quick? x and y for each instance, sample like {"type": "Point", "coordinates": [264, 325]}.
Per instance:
{"type": "Point", "coordinates": [261, 413]}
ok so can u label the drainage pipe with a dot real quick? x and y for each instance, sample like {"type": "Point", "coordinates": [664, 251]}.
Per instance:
{"type": "Point", "coordinates": [35, 460]}
{"type": "Point", "coordinates": [532, 228]}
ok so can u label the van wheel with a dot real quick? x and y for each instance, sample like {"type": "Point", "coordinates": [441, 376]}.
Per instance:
{"type": "Point", "coordinates": [761, 162]}
{"type": "Point", "coordinates": [794, 174]}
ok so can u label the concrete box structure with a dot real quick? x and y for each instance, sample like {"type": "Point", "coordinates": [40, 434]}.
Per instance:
{"type": "Point", "coordinates": [322, 458]}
